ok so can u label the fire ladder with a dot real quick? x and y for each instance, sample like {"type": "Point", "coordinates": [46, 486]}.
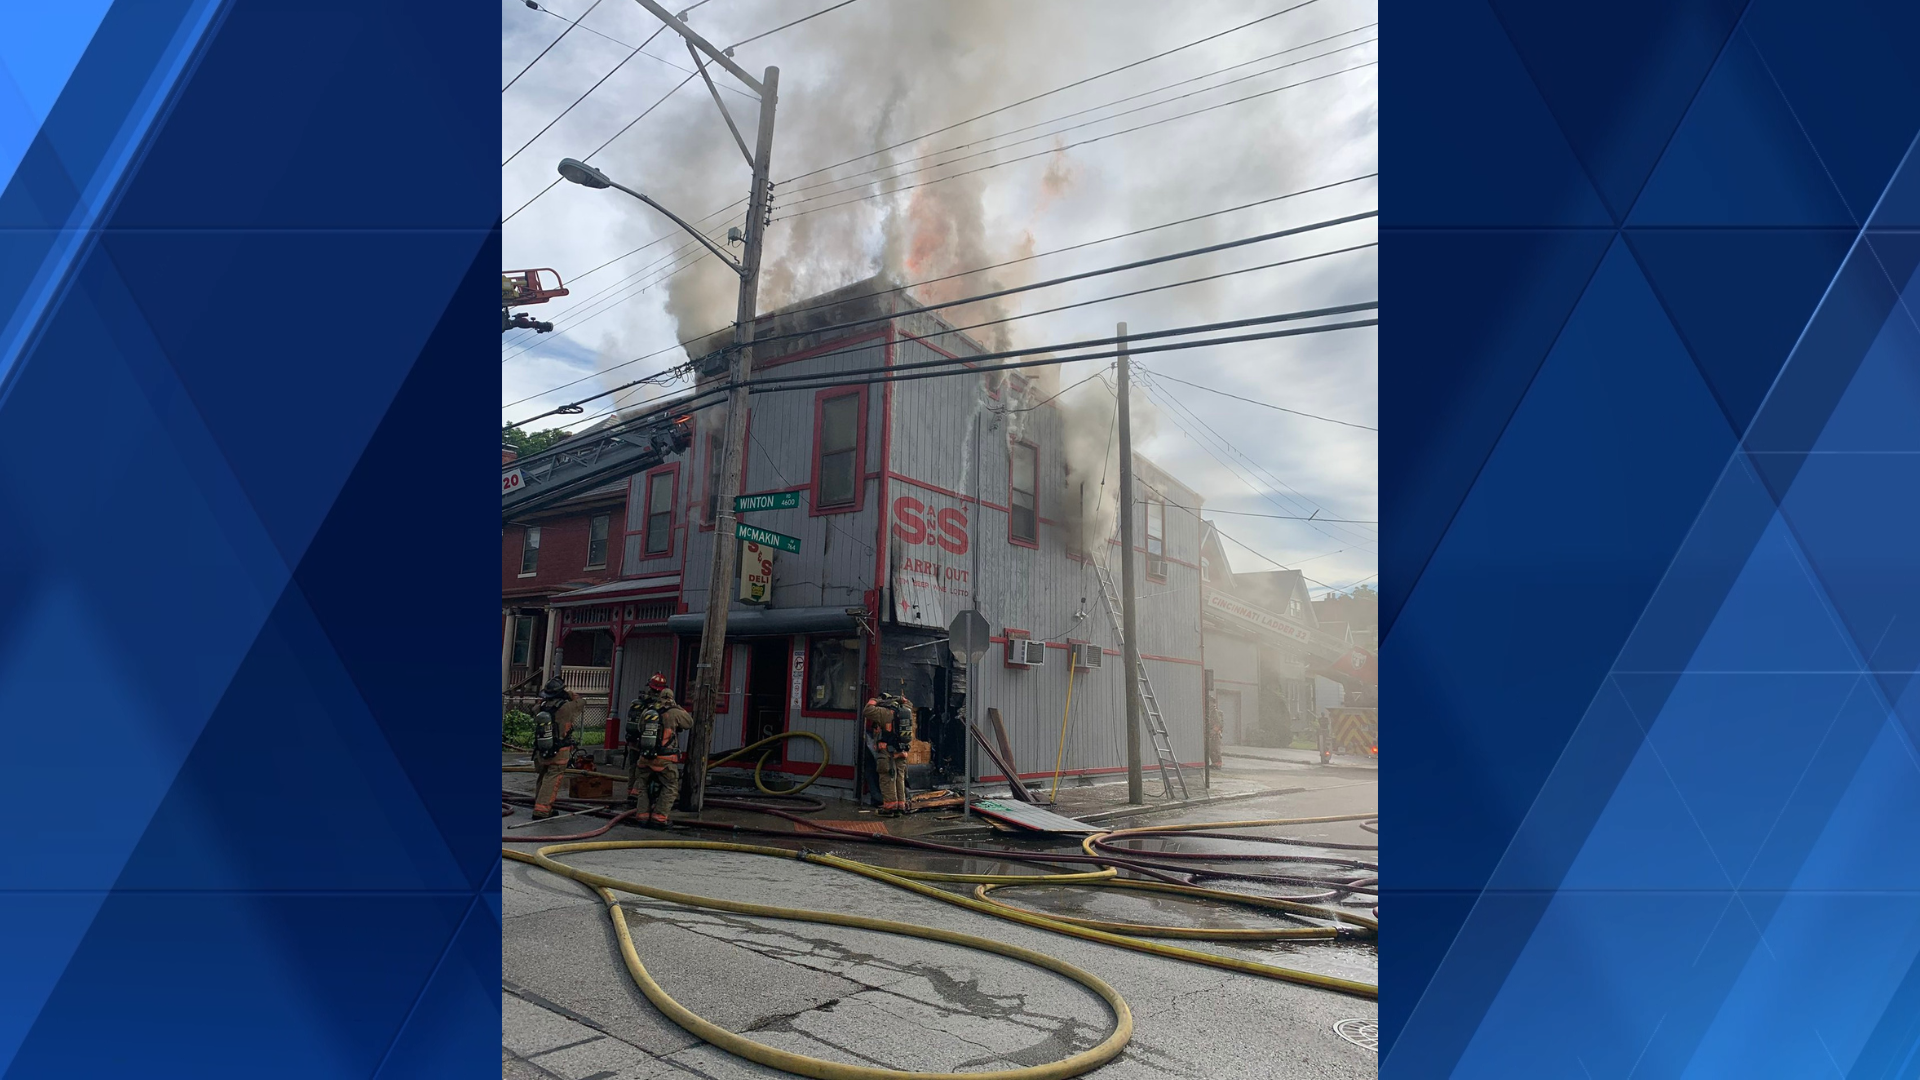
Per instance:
{"type": "Point", "coordinates": [1170, 774]}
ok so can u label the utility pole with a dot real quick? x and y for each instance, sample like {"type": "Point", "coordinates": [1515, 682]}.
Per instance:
{"type": "Point", "coordinates": [726, 546]}
{"type": "Point", "coordinates": [1130, 650]}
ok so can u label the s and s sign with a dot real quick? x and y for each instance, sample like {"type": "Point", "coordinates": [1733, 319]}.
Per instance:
{"type": "Point", "coordinates": [914, 522]}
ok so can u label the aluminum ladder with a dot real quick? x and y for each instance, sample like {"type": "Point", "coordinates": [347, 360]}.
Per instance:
{"type": "Point", "coordinates": [1170, 774]}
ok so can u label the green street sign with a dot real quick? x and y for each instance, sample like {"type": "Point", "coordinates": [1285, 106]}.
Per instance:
{"type": "Point", "coordinates": [779, 500]}
{"type": "Point", "coordinates": [767, 538]}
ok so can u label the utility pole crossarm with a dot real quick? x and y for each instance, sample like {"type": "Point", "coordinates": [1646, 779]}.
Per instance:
{"type": "Point", "coordinates": [724, 114]}
{"type": "Point", "coordinates": [705, 46]}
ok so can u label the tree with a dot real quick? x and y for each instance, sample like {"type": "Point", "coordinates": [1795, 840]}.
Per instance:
{"type": "Point", "coordinates": [525, 443]}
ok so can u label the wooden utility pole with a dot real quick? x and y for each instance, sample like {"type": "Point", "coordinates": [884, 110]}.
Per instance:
{"type": "Point", "coordinates": [1130, 651]}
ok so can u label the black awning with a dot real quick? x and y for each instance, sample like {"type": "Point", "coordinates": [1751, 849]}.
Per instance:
{"type": "Point", "coordinates": [766, 622]}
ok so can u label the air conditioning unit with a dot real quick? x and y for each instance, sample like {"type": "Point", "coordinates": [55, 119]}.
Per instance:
{"type": "Point", "coordinates": [1026, 652]}
{"type": "Point", "coordinates": [1087, 657]}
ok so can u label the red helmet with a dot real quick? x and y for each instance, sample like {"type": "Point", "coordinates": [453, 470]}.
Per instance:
{"type": "Point", "coordinates": [658, 682]}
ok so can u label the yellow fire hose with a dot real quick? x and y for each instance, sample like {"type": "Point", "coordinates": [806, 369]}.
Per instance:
{"type": "Point", "coordinates": [800, 1064]}
{"type": "Point", "coordinates": [1061, 756]}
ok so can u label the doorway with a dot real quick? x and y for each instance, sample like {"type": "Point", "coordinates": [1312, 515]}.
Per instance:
{"type": "Point", "coordinates": [765, 714]}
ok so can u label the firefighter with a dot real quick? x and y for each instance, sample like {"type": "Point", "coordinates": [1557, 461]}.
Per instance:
{"type": "Point", "coordinates": [889, 733]}
{"type": "Point", "coordinates": [553, 730]}
{"type": "Point", "coordinates": [654, 723]}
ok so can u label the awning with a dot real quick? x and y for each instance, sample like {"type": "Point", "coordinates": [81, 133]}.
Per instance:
{"type": "Point", "coordinates": [624, 589]}
{"type": "Point", "coordinates": [765, 622]}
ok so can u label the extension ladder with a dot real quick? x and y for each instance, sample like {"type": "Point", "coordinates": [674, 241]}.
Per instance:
{"type": "Point", "coordinates": [1170, 774]}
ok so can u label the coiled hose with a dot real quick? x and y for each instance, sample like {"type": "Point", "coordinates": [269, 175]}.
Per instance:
{"type": "Point", "coordinates": [1100, 850]}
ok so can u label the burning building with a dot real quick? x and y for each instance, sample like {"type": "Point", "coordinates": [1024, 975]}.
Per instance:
{"type": "Point", "coordinates": [913, 501]}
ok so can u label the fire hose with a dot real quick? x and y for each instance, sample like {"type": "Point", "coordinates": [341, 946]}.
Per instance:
{"type": "Point", "coordinates": [1101, 850]}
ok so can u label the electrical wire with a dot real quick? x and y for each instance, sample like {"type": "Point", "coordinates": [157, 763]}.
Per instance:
{"type": "Point", "coordinates": [1262, 404]}
{"type": "Point", "coordinates": [551, 44]}
{"type": "Point", "coordinates": [576, 101]}
{"type": "Point", "coordinates": [1069, 146]}
{"type": "Point", "coordinates": [905, 172]}
{"type": "Point", "coordinates": [930, 155]}
{"type": "Point", "coordinates": [1049, 93]}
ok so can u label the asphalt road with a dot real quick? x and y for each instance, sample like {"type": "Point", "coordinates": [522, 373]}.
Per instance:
{"type": "Point", "coordinates": [571, 1011]}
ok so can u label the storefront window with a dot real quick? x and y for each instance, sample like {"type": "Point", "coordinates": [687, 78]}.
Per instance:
{"type": "Point", "coordinates": [833, 674]}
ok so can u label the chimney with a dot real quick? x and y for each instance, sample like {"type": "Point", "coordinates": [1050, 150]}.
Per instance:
{"type": "Point", "coordinates": [507, 454]}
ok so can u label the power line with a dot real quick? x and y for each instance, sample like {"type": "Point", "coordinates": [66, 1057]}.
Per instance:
{"type": "Point", "coordinates": [1241, 473]}
{"type": "Point", "coordinates": [1278, 565]}
{"type": "Point", "coordinates": [551, 44]}
{"type": "Point", "coordinates": [945, 277]}
{"type": "Point", "coordinates": [1272, 517]}
{"type": "Point", "coordinates": [1262, 404]}
{"type": "Point", "coordinates": [905, 372]}
{"type": "Point", "coordinates": [1069, 146]}
{"type": "Point", "coordinates": [556, 180]}
{"type": "Point", "coordinates": [783, 26]}
{"type": "Point", "coordinates": [1259, 320]}
{"type": "Point", "coordinates": [588, 92]}
{"type": "Point", "coordinates": [1049, 93]}
{"type": "Point", "coordinates": [1072, 127]}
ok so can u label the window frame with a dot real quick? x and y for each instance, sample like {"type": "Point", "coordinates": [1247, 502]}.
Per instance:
{"type": "Point", "coordinates": [806, 696]}
{"type": "Point", "coordinates": [605, 521]}
{"type": "Point", "coordinates": [709, 501]}
{"type": "Point", "coordinates": [530, 545]}
{"type": "Point", "coordinates": [1159, 575]}
{"type": "Point", "coordinates": [820, 400]}
{"type": "Point", "coordinates": [647, 512]}
{"type": "Point", "coordinates": [1012, 537]}
{"type": "Point", "coordinates": [521, 656]}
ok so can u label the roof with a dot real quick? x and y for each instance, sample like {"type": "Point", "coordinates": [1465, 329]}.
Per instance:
{"type": "Point", "coordinates": [1274, 588]}
{"type": "Point", "coordinates": [618, 590]}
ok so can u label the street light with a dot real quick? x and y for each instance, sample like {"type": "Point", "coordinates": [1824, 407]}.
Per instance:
{"type": "Point", "coordinates": [587, 176]}
{"type": "Point", "coordinates": [583, 174]}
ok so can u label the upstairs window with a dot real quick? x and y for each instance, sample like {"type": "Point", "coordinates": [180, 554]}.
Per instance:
{"type": "Point", "coordinates": [1023, 525]}
{"type": "Point", "coordinates": [597, 542]}
{"type": "Point", "coordinates": [836, 468]}
{"type": "Point", "coordinates": [1156, 538]}
{"type": "Point", "coordinates": [659, 528]}
{"type": "Point", "coordinates": [530, 552]}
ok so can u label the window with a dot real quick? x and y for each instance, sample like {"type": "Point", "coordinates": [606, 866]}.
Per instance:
{"type": "Point", "coordinates": [1023, 526]}
{"type": "Point", "coordinates": [1293, 607]}
{"type": "Point", "coordinates": [602, 649]}
{"type": "Point", "coordinates": [836, 471]}
{"type": "Point", "coordinates": [522, 640]}
{"type": "Point", "coordinates": [833, 674]}
{"type": "Point", "coordinates": [597, 542]}
{"type": "Point", "coordinates": [530, 552]}
{"type": "Point", "coordinates": [1156, 538]}
{"type": "Point", "coordinates": [659, 527]}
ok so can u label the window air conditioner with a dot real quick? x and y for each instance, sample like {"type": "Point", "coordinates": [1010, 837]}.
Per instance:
{"type": "Point", "coordinates": [1087, 657]}
{"type": "Point", "coordinates": [1026, 652]}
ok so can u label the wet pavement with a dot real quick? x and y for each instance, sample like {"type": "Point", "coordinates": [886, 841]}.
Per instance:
{"type": "Point", "coordinates": [571, 1010]}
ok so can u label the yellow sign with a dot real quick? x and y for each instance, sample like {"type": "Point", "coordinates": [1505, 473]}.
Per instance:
{"type": "Point", "coordinates": [756, 573]}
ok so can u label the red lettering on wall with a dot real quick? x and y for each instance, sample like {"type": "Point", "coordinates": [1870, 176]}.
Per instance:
{"type": "Point", "coordinates": [907, 524]}
{"type": "Point", "coordinates": [953, 531]}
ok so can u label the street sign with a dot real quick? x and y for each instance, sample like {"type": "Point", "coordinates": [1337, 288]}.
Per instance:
{"type": "Point", "coordinates": [779, 500]}
{"type": "Point", "coordinates": [967, 636]}
{"type": "Point", "coordinates": [767, 538]}
{"type": "Point", "coordinates": [511, 481]}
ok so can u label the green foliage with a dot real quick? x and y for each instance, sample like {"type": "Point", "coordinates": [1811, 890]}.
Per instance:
{"type": "Point", "coordinates": [525, 443]}
{"type": "Point", "coordinates": [516, 727]}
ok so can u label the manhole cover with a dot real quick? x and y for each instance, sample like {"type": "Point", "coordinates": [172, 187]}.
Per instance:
{"type": "Point", "coordinates": [1364, 1034]}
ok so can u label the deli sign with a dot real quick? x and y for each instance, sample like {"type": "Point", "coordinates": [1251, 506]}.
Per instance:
{"type": "Point", "coordinates": [756, 573]}
{"type": "Point", "coordinates": [929, 579]}
{"type": "Point", "coordinates": [914, 522]}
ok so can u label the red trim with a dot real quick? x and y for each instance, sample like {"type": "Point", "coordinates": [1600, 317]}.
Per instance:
{"type": "Point", "coordinates": [1012, 539]}
{"type": "Point", "coordinates": [1013, 634]}
{"type": "Point", "coordinates": [806, 686]}
{"type": "Point", "coordinates": [1171, 659]}
{"type": "Point", "coordinates": [881, 584]}
{"type": "Point", "coordinates": [835, 345]}
{"type": "Point", "coordinates": [698, 512]}
{"type": "Point", "coordinates": [820, 399]}
{"type": "Point", "coordinates": [937, 490]}
{"type": "Point", "coordinates": [646, 511]}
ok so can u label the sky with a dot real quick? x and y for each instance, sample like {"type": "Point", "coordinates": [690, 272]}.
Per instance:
{"type": "Point", "coordinates": [1258, 112]}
